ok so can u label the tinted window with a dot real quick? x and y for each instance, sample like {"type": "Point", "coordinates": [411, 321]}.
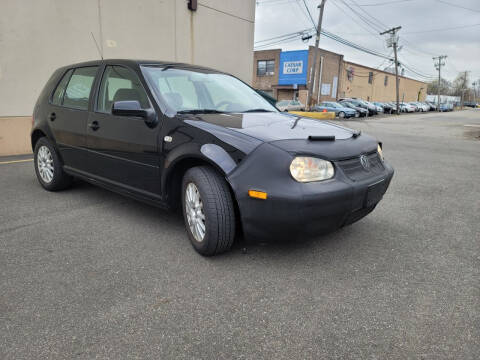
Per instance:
{"type": "Point", "coordinates": [57, 97]}
{"type": "Point", "coordinates": [120, 84]}
{"type": "Point", "coordinates": [79, 87]}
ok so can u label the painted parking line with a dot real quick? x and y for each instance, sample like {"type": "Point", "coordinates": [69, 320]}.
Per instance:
{"type": "Point", "coordinates": [14, 161]}
{"type": "Point", "coordinates": [472, 125]}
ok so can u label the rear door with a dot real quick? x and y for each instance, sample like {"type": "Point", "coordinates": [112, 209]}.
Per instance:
{"type": "Point", "coordinates": [123, 150]}
{"type": "Point", "coordinates": [69, 114]}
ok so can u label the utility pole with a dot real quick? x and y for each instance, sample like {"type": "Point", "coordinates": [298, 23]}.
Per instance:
{"type": "Point", "coordinates": [464, 88]}
{"type": "Point", "coordinates": [315, 55]}
{"type": "Point", "coordinates": [393, 42]}
{"type": "Point", "coordinates": [438, 66]}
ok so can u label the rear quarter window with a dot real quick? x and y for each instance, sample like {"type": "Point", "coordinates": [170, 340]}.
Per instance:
{"type": "Point", "coordinates": [78, 90]}
{"type": "Point", "coordinates": [57, 97]}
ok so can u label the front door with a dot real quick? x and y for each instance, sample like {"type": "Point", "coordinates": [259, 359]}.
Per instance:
{"type": "Point", "coordinates": [123, 149]}
{"type": "Point", "coordinates": [68, 114]}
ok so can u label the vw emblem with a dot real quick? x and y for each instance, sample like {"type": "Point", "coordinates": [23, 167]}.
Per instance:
{"type": "Point", "coordinates": [365, 162]}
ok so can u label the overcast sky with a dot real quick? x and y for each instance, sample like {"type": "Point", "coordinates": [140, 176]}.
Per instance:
{"type": "Point", "coordinates": [462, 45]}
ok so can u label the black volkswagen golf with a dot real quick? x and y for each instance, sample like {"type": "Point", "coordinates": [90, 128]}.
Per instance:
{"type": "Point", "coordinates": [180, 135]}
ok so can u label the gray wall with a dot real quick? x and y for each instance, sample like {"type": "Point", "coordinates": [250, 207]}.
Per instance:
{"type": "Point", "coordinates": [38, 36]}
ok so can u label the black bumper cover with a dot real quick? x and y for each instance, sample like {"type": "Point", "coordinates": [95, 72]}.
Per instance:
{"type": "Point", "coordinates": [295, 209]}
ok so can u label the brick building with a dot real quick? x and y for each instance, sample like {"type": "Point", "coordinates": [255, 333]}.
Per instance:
{"type": "Point", "coordinates": [339, 78]}
{"type": "Point", "coordinates": [271, 81]}
{"type": "Point", "coordinates": [372, 84]}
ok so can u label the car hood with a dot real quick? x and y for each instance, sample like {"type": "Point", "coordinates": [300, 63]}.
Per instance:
{"type": "Point", "coordinates": [271, 126]}
{"type": "Point", "coordinates": [285, 131]}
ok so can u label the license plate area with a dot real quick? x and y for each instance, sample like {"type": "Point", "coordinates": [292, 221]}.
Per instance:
{"type": "Point", "coordinates": [375, 193]}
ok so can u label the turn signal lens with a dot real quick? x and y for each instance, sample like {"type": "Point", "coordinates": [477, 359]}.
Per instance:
{"type": "Point", "coordinates": [257, 194]}
{"type": "Point", "coordinates": [307, 169]}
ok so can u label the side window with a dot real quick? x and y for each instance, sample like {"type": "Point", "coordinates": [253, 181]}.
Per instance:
{"type": "Point", "coordinates": [120, 84]}
{"type": "Point", "coordinates": [57, 97]}
{"type": "Point", "coordinates": [79, 87]}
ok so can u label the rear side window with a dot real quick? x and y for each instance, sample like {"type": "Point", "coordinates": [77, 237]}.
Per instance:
{"type": "Point", "coordinates": [57, 98]}
{"type": "Point", "coordinates": [79, 88]}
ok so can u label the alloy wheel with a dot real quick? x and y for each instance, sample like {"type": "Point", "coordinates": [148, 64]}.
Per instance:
{"type": "Point", "coordinates": [194, 212]}
{"type": "Point", "coordinates": [45, 164]}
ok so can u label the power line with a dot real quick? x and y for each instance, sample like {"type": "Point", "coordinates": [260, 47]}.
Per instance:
{"type": "Point", "coordinates": [369, 15]}
{"type": "Point", "coordinates": [443, 29]}
{"type": "Point", "coordinates": [386, 3]}
{"type": "Point", "coordinates": [458, 6]}
{"type": "Point", "coordinates": [374, 33]}
{"type": "Point", "coordinates": [367, 21]}
{"type": "Point", "coordinates": [309, 14]}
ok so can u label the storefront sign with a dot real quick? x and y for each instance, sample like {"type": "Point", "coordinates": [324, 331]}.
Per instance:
{"type": "Point", "coordinates": [293, 67]}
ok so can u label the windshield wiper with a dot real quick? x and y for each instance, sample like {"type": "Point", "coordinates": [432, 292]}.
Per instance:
{"type": "Point", "coordinates": [256, 110]}
{"type": "Point", "coordinates": [200, 111]}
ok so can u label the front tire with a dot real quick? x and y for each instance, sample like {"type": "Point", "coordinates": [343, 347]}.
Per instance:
{"type": "Point", "coordinates": [341, 114]}
{"type": "Point", "coordinates": [49, 168]}
{"type": "Point", "coordinates": [208, 211]}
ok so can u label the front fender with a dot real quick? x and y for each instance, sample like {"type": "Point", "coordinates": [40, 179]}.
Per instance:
{"type": "Point", "coordinates": [193, 153]}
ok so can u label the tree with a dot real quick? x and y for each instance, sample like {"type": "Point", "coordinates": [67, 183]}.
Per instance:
{"type": "Point", "coordinates": [432, 87]}
{"type": "Point", "coordinates": [460, 84]}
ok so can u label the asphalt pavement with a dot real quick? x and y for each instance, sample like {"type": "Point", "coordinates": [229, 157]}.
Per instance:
{"type": "Point", "coordinates": [86, 273]}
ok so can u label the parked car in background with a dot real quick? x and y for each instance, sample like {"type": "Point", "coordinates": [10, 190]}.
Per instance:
{"type": "Point", "coordinates": [185, 137]}
{"type": "Point", "coordinates": [387, 109]}
{"type": "Point", "coordinates": [357, 102]}
{"type": "Point", "coordinates": [407, 108]}
{"type": "Point", "coordinates": [433, 106]}
{"type": "Point", "coordinates": [471, 104]}
{"type": "Point", "coordinates": [290, 105]}
{"type": "Point", "coordinates": [339, 110]}
{"type": "Point", "coordinates": [361, 111]}
{"type": "Point", "coordinates": [421, 106]}
{"type": "Point", "coordinates": [415, 106]}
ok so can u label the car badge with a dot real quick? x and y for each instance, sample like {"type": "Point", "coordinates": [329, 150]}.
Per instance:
{"type": "Point", "coordinates": [365, 162]}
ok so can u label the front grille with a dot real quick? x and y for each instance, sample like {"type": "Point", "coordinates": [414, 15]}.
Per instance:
{"type": "Point", "coordinates": [354, 170]}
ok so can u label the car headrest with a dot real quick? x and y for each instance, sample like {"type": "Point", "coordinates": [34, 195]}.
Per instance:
{"type": "Point", "coordinates": [127, 94]}
{"type": "Point", "coordinates": [173, 99]}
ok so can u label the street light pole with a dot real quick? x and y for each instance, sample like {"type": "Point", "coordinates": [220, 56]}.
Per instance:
{"type": "Point", "coordinates": [394, 43]}
{"type": "Point", "coordinates": [315, 55]}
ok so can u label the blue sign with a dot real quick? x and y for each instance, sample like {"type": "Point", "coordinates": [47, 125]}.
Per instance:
{"type": "Point", "coordinates": [293, 67]}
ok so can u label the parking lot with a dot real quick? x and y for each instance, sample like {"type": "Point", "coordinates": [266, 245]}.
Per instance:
{"type": "Point", "coordinates": [86, 273]}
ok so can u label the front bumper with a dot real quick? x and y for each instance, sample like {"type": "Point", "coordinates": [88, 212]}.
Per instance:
{"type": "Point", "coordinates": [295, 209]}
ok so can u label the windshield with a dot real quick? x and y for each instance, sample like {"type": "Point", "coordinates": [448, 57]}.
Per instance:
{"type": "Point", "coordinates": [199, 91]}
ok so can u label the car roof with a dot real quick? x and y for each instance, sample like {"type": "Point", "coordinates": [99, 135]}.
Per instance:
{"type": "Point", "coordinates": [138, 62]}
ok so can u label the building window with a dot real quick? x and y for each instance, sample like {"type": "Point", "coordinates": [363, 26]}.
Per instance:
{"type": "Point", "coordinates": [370, 77]}
{"type": "Point", "coordinates": [265, 67]}
{"type": "Point", "coordinates": [385, 82]}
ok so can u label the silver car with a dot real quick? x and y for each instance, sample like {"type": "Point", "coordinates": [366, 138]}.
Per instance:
{"type": "Point", "coordinates": [290, 105]}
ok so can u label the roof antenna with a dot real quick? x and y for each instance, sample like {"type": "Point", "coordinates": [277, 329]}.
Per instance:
{"type": "Point", "coordinates": [96, 44]}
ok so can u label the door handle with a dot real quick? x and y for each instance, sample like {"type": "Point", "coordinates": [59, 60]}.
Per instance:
{"type": "Point", "coordinates": [94, 125]}
{"type": "Point", "coordinates": [52, 116]}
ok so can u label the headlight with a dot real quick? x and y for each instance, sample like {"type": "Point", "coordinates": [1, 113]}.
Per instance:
{"type": "Point", "coordinates": [306, 169]}
{"type": "Point", "coordinates": [380, 152]}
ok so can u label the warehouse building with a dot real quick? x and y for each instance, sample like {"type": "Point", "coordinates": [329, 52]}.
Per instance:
{"type": "Point", "coordinates": [285, 75]}
{"type": "Point", "coordinates": [376, 85]}
{"type": "Point", "coordinates": [38, 36]}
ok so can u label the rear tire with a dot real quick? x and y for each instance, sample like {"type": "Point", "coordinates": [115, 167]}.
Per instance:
{"type": "Point", "coordinates": [208, 211]}
{"type": "Point", "coordinates": [49, 168]}
{"type": "Point", "coordinates": [341, 114]}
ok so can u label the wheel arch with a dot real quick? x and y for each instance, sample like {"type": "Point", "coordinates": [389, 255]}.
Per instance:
{"type": "Point", "coordinates": [179, 162]}
{"type": "Point", "coordinates": [36, 135]}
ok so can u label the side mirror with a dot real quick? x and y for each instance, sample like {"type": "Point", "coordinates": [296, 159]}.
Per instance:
{"type": "Point", "coordinates": [133, 108]}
